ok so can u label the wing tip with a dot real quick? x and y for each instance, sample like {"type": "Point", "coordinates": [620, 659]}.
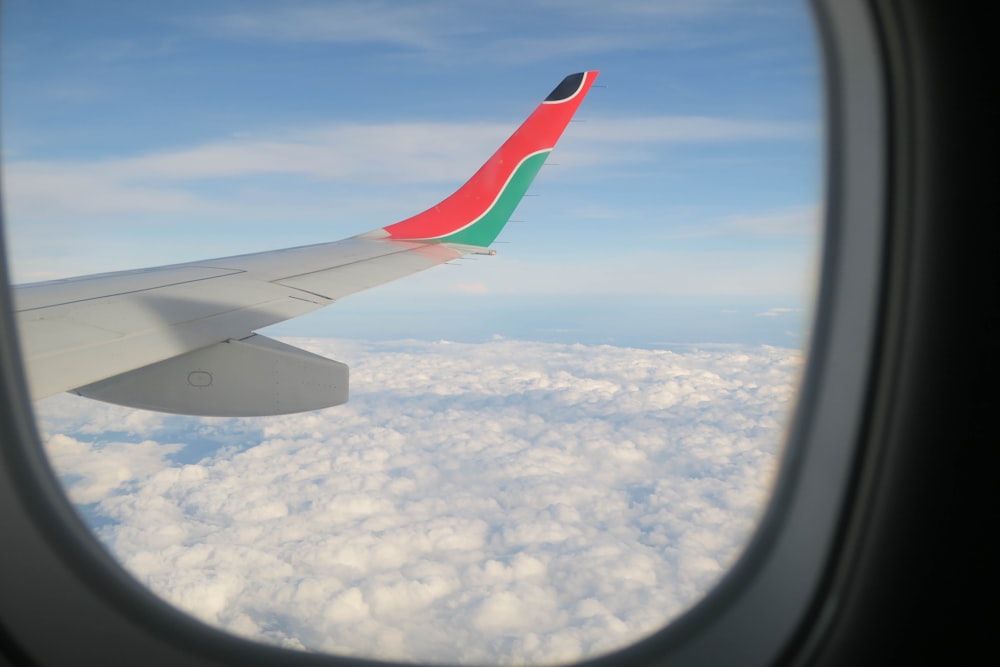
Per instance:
{"type": "Point", "coordinates": [571, 86]}
{"type": "Point", "coordinates": [476, 212]}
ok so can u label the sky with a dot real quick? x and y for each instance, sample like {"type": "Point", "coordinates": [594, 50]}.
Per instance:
{"type": "Point", "coordinates": [688, 185]}
{"type": "Point", "coordinates": [610, 388]}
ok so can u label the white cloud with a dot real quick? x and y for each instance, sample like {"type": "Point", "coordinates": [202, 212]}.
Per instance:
{"type": "Point", "coordinates": [173, 181]}
{"type": "Point", "coordinates": [93, 478]}
{"type": "Point", "coordinates": [422, 26]}
{"type": "Point", "coordinates": [798, 221]}
{"type": "Point", "coordinates": [472, 288]}
{"type": "Point", "coordinates": [509, 501]}
{"type": "Point", "coordinates": [778, 311]}
{"type": "Point", "coordinates": [671, 271]}
{"type": "Point", "coordinates": [446, 30]}
{"type": "Point", "coordinates": [684, 129]}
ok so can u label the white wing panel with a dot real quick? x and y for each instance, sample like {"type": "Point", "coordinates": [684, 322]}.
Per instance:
{"type": "Point", "coordinates": [78, 331]}
{"type": "Point", "coordinates": [79, 343]}
{"type": "Point", "coordinates": [55, 292]}
{"type": "Point", "coordinates": [348, 278]}
{"type": "Point", "coordinates": [278, 264]}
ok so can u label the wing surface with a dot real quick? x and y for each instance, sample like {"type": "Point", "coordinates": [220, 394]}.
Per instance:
{"type": "Point", "coordinates": [79, 334]}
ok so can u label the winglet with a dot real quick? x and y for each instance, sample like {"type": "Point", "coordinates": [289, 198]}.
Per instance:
{"type": "Point", "coordinates": [476, 212]}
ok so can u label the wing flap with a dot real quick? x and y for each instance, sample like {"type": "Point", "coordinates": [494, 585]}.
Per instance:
{"type": "Point", "coordinates": [253, 377]}
{"type": "Point", "coordinates": [79, 361]}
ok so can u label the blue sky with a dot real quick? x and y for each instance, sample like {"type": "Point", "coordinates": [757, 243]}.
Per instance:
{"type": "Point", "coordinates": [681, 207]}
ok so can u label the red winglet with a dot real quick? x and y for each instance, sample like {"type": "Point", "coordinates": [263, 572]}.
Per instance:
{"type": "Point", "coordinates": [539, 133]}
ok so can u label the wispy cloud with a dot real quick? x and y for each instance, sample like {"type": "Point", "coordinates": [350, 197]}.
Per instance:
{"type": "Point", "coordinates": [778, 311]}
{"type": "Point", "coordinates": [397, 153]}
{"type": "Point", "coordinates": [683, 129]}
{"type": "Point", "coordinates": [663, 270]}
{"type": "Point", "coordinates": [647, 8]}
{"type": "Point", "coordinates": [797, 221]}
{"type": "Point", "coordinates": [477, 32]}
{"type": "Point", "coordinates": [118, 49]}
{"type": "Point", "coordinates": [802, 222]}
{"type": "Point", "coordinates": [472, 288]}
{"type": "Point", "coordinates": [422, 26]}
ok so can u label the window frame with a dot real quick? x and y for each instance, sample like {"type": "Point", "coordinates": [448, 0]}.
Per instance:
{"type": "Point", "coordinates": [57, 581]}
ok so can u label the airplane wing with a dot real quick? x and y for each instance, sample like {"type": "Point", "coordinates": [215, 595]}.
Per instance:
{"type": "Point", "coordinates": [180, 338]}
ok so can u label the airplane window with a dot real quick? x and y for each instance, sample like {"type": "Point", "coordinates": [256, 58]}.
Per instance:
{"type": "Point", "coordinates": [547, 454]}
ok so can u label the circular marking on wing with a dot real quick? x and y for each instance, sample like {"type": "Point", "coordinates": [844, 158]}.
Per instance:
{"type": "Point", "coordinates": [199, 379]}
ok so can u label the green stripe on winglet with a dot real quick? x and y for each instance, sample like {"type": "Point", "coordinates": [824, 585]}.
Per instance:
{"type": "Point", "coordinates": [486, 229]}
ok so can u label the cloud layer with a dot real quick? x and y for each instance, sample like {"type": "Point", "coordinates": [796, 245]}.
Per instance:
{"type": "Point", "coordinates": [509, 501]}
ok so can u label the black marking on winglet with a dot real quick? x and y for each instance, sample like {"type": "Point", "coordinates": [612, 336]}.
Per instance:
{"type": "Point", "coordinates": [567, 88]}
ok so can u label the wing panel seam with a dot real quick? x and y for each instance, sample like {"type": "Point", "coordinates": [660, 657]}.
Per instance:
{"type": "Point", "coordinates": [233, 272]}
